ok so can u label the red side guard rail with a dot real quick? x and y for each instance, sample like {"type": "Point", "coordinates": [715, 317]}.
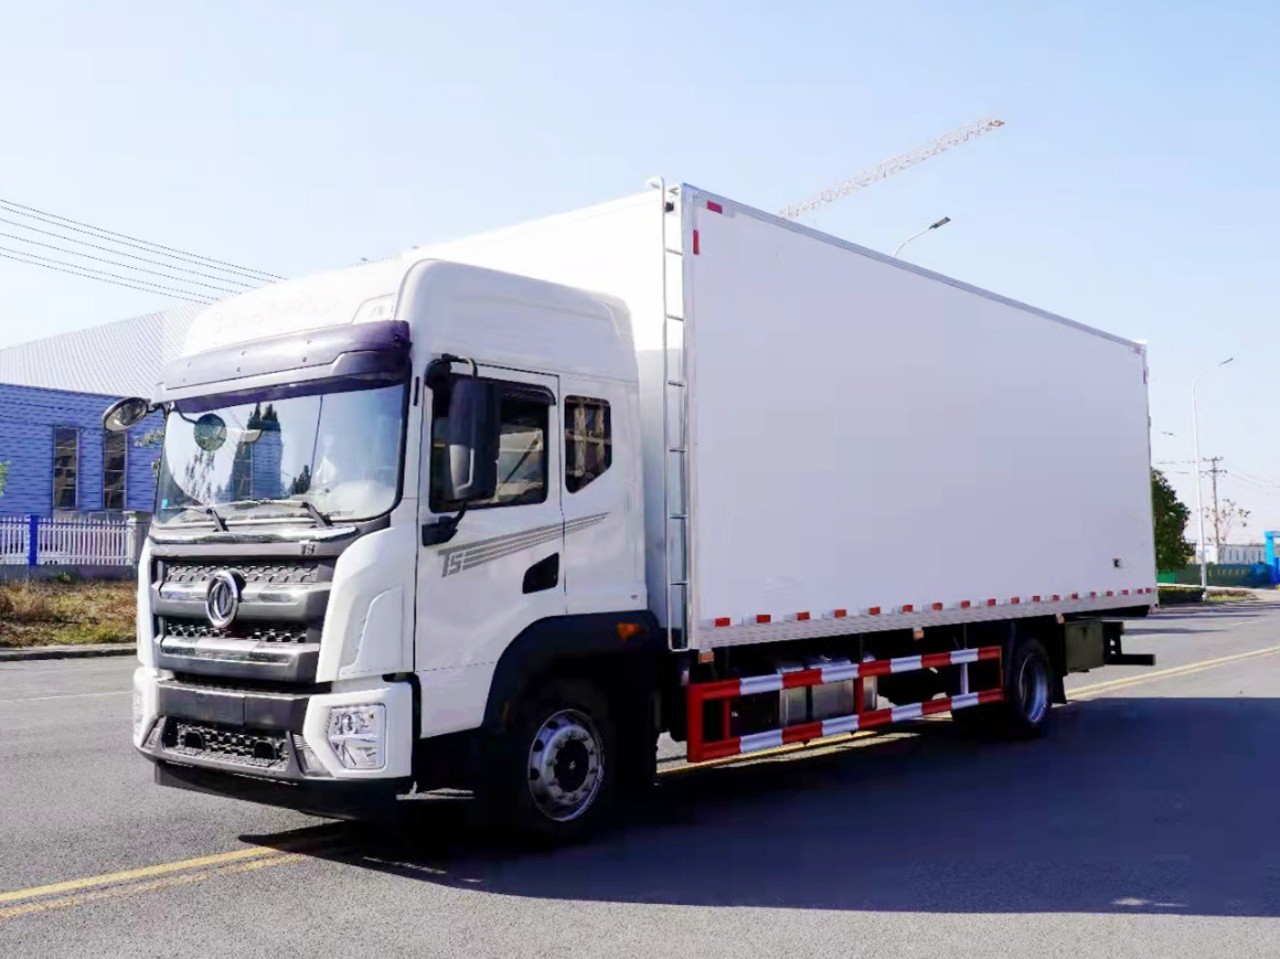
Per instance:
{"type": "Point", "coordinates": [726, 690]}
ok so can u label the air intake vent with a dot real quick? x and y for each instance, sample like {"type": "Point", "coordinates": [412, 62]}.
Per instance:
{"type": "Point", "coordinates": [286, 574]}
{"type": "Point", "coordinates": [250, 632]}
{"type": "Point", "coordinates": [260, 749]}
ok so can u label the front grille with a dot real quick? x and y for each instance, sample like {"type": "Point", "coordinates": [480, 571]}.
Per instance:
{"type": "Point", "coordinates": [260, 749]}
{"type": "Point", "coordinates": [287, 574]}
{"type": "Point", "coordinates": [266, 632]}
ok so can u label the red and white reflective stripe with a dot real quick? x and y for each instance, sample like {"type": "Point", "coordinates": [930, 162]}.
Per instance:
{"type": "Point", "coordinates": [723, 690]}
{"type": "Point", "coordinates": [840, 672]}
{"type": "Point", "coordinates": [839, 725]}
{"type": "Point", "coordinates": [841, 612]}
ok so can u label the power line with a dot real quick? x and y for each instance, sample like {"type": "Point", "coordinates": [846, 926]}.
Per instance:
{"type": "Point", "coordinates": [19, 259]}
{"type": "Point", "coordinates": [1255, 488]}
{"type": "Point", "coordinates": [117, 263]}
{"type": "Point", "coordinates": [106, 249]}
{"type": "Point", "coordinates": [85, 271]}
{"type": "Point", "coordinates": [79, 226]}
{"type": "Point", "coordinates": [1257, 479]}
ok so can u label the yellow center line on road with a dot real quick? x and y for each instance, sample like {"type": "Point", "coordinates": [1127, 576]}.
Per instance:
{"type": "Point", "coordinates": [181, 879]}
{"type": "Point", "coordinates": [1097, 689]}
{"type": "Point", "coordinates": [145, 872]}
{"type": "Point", "coordinates": [180, 872]}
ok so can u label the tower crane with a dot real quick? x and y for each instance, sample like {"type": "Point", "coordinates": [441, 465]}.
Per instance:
{"type": "Point", "coordinates": [893, 165]}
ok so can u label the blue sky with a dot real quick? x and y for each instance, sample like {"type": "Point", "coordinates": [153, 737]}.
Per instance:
{"type": "Point", "coordinates": [1133, 187]}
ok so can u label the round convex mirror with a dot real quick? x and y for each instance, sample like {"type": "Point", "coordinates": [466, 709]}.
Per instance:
{"type": "Point", "coordinates": [210, 432]}
{"type": "Point", "coordinates": [125, 413]}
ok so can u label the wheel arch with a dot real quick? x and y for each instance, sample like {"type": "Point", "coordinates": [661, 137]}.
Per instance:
{"type": "Point", "coordinates": [603, 648]}
{"type": "Point", "coordinates": [1048, 632]}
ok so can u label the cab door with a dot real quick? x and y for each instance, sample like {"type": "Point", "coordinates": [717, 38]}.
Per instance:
{"type": "Point", "coordinates": [503, 568]}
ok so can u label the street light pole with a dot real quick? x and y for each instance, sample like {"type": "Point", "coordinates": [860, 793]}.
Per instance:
{"type": "Point", "coordinates": [932, 226]}
{"type": "Point", "coordinates": [1195, 439]}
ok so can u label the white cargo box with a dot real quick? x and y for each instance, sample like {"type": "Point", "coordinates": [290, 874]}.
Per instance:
{"type": "Point", "coordinates": [876, 444]}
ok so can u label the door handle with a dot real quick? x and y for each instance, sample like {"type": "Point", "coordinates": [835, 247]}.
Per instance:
{"type": "Point", "coordinates": [544, 574]}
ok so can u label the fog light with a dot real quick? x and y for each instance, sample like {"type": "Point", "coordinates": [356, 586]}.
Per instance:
{"type": "Point", "coordinates": [356, 734]}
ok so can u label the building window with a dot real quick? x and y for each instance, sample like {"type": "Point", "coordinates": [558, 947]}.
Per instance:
{"type": "Point", "coordinates": [114, 446]}
{"type": "Point", "coordinates": [66, 462]}
{"type": "Point", "coordinates": [588, 441]}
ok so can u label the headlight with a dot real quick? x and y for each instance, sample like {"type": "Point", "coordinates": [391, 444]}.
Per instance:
{"type": "Point", "coordinates": [357, 734]}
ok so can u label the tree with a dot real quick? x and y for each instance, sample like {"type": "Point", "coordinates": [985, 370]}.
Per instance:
{"type": "Point", "coordinates": [4, 477]}
{"type": "Point", "coordinates": [1171, 515]}
{"type": "Point", "coordinates": [1223, 517]}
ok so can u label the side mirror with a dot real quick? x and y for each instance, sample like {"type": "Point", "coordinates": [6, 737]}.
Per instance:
{"type": "Point", "coordinates": [123, 414]}
{"type": "Point", "coordinates": [471, 441]}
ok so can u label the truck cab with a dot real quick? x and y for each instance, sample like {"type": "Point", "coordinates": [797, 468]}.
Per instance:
{"type": "Point", "coordinates": [370, 536]}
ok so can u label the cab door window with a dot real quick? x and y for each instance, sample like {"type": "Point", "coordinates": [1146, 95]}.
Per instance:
{"type": "Point", "coordinates": [522, 448]}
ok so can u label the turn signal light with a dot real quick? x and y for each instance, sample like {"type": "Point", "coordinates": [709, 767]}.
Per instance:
{"type": "Point", "coordinates": [629, 630]}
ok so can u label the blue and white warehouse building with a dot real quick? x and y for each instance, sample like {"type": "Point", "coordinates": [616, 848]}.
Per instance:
{"type": "Point", "coordinates": [53, 391]}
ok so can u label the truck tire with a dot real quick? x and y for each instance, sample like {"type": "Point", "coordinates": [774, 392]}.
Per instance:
{"type": "Point", "coordinates": [1028, 689]}
{"type": "Point", "coordinates": [554, 774]}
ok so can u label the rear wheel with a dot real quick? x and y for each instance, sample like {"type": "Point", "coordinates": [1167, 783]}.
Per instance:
{"type": "Point", "coordinates": [1028, 694]}
{"type": "Point", "coordinates": [1028, 688]}
{"type": "Point", "coordinates": [554, 775]}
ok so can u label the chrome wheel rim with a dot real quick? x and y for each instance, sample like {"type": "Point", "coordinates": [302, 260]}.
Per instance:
{"type": "Point", "coordinates": [1033, 689]}
{"type": "Point", "coordinates": [566, 765]}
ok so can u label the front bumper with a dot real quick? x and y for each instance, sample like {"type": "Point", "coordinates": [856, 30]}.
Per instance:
{"type": "Point", "coordinates": [272, 739]}
{"type": "Point", "coordinates": [341, 800]}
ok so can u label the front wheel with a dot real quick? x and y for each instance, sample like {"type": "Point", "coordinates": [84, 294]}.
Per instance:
{"type": "Point", "coordinates": [554, 776]}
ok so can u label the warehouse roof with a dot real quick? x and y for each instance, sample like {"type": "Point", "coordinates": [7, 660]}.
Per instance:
{"type": "Point", "coordinates": [123, 358]}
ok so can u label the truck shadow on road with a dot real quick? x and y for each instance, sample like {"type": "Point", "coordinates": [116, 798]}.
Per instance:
{"type": "Point", "coordinates": [1130, 805]}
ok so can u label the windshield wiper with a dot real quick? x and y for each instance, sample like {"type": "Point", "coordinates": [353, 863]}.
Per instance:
{"type": "Point", "coordinates": [215, 516]}
{"type": "Point", "coordinates": [311, 508]}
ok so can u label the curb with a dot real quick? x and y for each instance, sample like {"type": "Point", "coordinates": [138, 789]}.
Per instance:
{"type": "Point", "coordinates": [66, 652]}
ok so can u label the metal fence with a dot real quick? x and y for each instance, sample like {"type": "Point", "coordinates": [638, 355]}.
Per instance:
{"type": "Point", "coordinates": [41, 541]}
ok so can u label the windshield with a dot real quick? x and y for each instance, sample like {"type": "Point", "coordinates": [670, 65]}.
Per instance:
{"type": "Point", "coordinates": [320, 455]}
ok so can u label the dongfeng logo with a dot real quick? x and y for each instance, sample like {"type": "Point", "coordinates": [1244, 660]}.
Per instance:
{"type": "Point", "coordinates": [223, 599]}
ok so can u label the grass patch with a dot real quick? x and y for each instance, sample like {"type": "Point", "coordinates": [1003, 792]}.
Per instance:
{"type": "Point", "coordinates": [1223, 595]}
{"type": "Point", "coordinates": [49, 613]}
{"type": "Point", "coordinates": [1176, 595]}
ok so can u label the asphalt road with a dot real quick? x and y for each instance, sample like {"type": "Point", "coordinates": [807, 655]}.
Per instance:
{"type": "Point", "coordinates": [1146, 824]}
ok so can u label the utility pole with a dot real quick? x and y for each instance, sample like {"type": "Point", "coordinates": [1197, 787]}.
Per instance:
{"type": "Point", "coordinates": [1195, 439]}
{"type": "Point", "coordinates": [1217, 516]}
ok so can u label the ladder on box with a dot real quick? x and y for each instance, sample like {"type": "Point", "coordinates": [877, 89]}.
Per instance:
{"type": "Point", "coordinates": [675, 437]}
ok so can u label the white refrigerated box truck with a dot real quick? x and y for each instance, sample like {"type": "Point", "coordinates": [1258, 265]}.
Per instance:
{"type": "Point", "coordinates": [497, 513]}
